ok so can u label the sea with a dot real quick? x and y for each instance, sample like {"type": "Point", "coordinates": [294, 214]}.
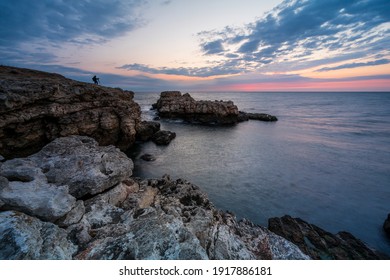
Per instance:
{"type": "Point", "coordinates": [326, 159]}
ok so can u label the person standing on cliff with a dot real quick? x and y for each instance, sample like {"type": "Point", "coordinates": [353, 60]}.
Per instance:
{"type": "Point", "coordinates": [95, 80]}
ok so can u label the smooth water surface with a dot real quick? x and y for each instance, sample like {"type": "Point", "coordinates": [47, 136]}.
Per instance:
{"type": "Point", "coordinates": [327, 159]}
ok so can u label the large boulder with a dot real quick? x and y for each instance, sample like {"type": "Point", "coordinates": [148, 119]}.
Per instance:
{"type": "Point", "coordinates": [80, 163]}
{"type": "Point", "coordinates": [163, 137]}
{"type": "Point", "coordinates": [38, 107]}
{"type": "Point", "coordinates": [146, 130]}
{"type": "Point", "coordinates": [47, 184]}
{"type": "Point", "coordinates": [320, 244]}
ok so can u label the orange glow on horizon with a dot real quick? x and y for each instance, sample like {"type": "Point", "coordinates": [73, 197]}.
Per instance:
{"type": "Point", "coordinates": [369, 85]}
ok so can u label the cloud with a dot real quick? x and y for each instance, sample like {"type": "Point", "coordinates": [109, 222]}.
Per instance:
{"type": "Point", "coordinates": [37, 32]}
{"type": "Point", "coordinates": [217, 70]}
{"type": "Point", "coordinates": [355, 65]}
{"type": "Point", "coordinates": [305, 32]}
{"type": "Point", "coordinates": [63, 21]}
{"type": "Point", "coordinates": [214, 47]}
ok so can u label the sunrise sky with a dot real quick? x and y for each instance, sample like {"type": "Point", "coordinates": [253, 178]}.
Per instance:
{"type": "Point", "coordinates": [203, 45]}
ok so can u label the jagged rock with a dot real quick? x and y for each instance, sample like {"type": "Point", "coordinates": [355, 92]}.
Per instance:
{"type": "Point", "coordinates": [148, 157]}
{"type": "Point", "coordinates": [78, 162]}
{"type": "Point", "coordinates": [46, 184]}
{"type": "Point", "coordinates": [37, 107]}
{"type": "Point", "coordinates": [24, 187]}
{"type": "Point", "coordinates": [172, 104]}
{"type": "Point", "coordinates": [146, 129]}
{"type": "Point", "coordinates": [174, 220]}
{"type": "Point", "coordinates": [74, 216]}
{"type": "Point", "coordinates": [320, 244]}
{"type": "Point", "coordinates": [27, 238]}
{"type": "Point", "coordinates": [386, 225]}
{"type": "Point", "coordinates": [163, 137]}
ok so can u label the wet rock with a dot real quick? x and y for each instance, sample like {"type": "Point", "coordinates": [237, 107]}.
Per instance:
{"type": "Point", "coordinates": [27, 238]}
{"type": "Point", "coordinates": [320, 244]}
{"type": "Point", "coordinates": [37, 107]}
{"type": "Point", "coordinates": [146, 130]}
{"type": "Point", "coordinates": [257, 116]}
{"type": "Point", "coordinates": [163, 137]}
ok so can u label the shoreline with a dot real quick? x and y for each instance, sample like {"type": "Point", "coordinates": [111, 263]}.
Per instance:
{"type": "Point", "coordinates": [101, 211]}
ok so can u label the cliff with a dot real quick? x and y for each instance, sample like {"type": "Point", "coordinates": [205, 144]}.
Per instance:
{"type": "Point", "coordinates": [38, 107]}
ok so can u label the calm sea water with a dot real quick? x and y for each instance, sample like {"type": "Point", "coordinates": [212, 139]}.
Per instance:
{"type": "Point", "coordinates": [327, 159]}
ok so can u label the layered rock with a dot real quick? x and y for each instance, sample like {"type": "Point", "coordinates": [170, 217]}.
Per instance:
{"type": "Point", "coordinates": [169, 219]}
{"type": "Point", "coordinates": [98, 212]}
{"type": "Point", "coordinates": [320, 244]}
{"type": "Point", "coordinates": [38, 107]}
{"type": "Point", "coordinates": [174, 105]}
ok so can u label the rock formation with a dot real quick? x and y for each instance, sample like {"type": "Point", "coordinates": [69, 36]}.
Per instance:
{"type": "Point", "coordinates": [163, 137]}
{"type": "Point", "coordinates": [320, 244]}
{"type": "Point", "coordinates": [76, 200]}
{"type": "Point", "coordinates": [174, 105]}
{"type": "Point", "coordinates": [38, 107]}
{"type": "Point", "coordinates": [150, 130]}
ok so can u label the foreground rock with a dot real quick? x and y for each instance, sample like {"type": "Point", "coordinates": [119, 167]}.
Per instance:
{"type": "Point", "coordinates": [98, 212]}
{"type": "Point", "coordinates": [23, 237]}
{"type": "Point", "coordinates": [174, 105]}
{"type": "Point", "coordinates": [169, 219]}
{"type": "Point", "coordinates": [38, 107]}
{"type": "Point", "coordinates": [320, 244]}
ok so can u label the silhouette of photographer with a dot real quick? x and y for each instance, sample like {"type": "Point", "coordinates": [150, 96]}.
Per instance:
{"type": "Point", "coordinates": [96, 80]}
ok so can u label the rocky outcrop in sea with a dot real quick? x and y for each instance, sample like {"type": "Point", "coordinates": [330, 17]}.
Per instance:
{"type": "Point", "coordinates": [174, 105]}
{"type": "Point", "coordinates": [38, 107]}
{"type": "Point", "coordinates": [320, 244]}
{"type": "Point", "coordinates": [75, 199]}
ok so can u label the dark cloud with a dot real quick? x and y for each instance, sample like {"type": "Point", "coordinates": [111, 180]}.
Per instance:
{"type": "Point", "coordinates": [355, 65]}
{"type": "Point", "coordinates": [217, 70]}
{"type": "Point", "coordinates": [296, 30]}
{"type": "Point", "coordinates": [214, 47]}
{"type": "Point", "coordinates": [59, 21]}
{"type": "Point", "coordinates": [31, 32]}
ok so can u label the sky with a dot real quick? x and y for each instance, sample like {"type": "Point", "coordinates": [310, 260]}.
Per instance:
{"type": "Point", "coordinates": [203, 45]}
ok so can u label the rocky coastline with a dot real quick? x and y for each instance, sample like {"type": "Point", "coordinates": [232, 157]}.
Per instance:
{"type": "Point", "coordinates": [67, 189]}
